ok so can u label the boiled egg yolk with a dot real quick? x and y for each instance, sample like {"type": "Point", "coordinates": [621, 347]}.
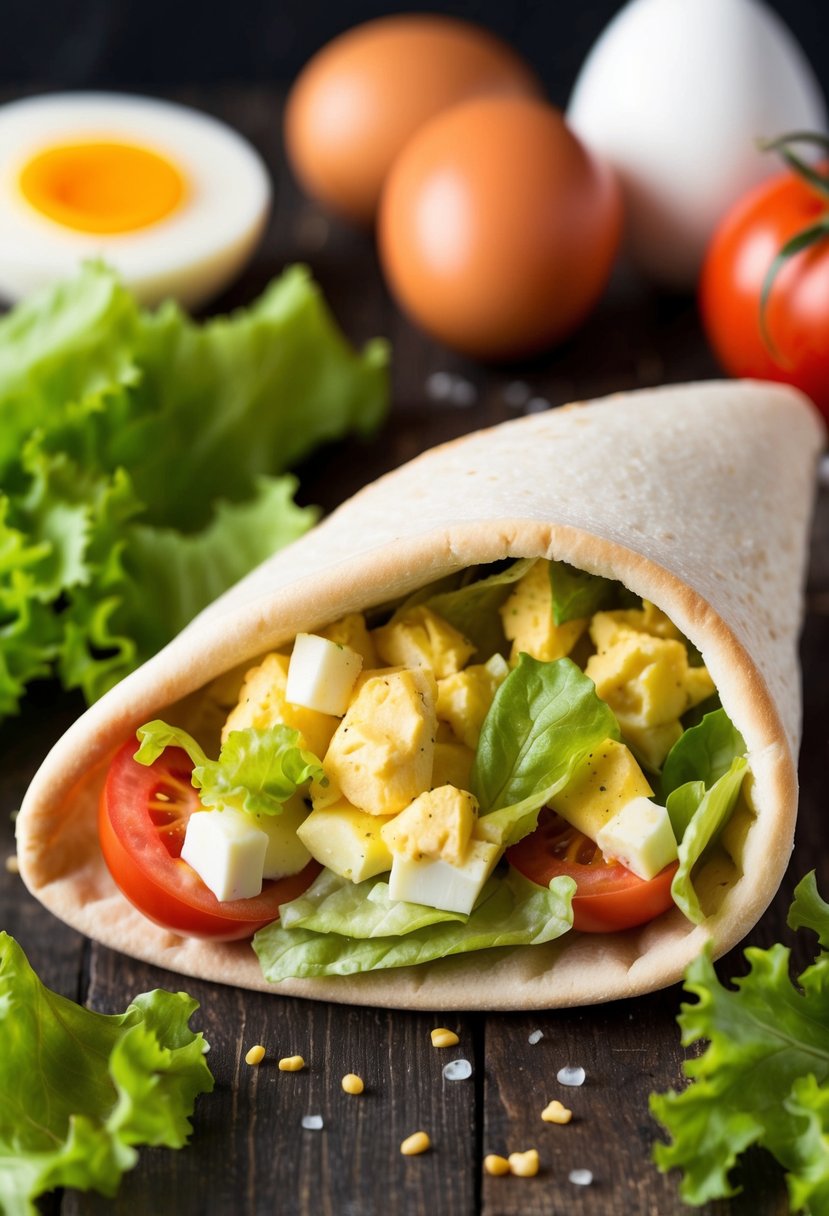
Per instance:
{"type": "Point", "coordinates": [102, 187]}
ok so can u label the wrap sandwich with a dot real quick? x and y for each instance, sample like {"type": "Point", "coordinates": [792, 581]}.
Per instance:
{"type": "Point", "coordinates": [567, 577]}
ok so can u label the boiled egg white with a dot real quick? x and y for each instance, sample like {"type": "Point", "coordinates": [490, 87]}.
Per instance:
{"type": "Point", "coordinates": [674, 95]}
{"type": "Point", "coordinates": [172, 199]}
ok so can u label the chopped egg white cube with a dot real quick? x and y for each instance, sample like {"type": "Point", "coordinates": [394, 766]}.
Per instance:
{"type": "Point", "coordinates": [640, 836]}
{"type": "Point", "coordinates": [322, 674]}
{"type": "Point", "coordinates": [439, 884]}
{"type": "Point", "coordinates": [227, 851]}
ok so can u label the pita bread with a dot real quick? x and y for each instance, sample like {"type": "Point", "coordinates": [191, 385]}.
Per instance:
{"type": "Point", "coordinates": [697, 497]}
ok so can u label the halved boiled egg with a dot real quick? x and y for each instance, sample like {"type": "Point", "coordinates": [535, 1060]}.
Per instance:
{"type": "Point", "coordinates": [174, 200]}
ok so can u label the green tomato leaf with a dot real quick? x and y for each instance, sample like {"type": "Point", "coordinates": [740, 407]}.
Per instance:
{"type": "Point", "coordinates": [80, 1090]}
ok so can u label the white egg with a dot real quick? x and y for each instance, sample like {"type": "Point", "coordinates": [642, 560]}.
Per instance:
{"type": "Point", "coordinates": [675, 94]}
{"type": "Point", "coordinates": [171, 198]}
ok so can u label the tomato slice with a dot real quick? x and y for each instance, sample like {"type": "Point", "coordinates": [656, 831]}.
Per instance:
{"type": "Point", "coordinates": [142, 819]}
{"type": "Point", "coordinates": [608, 896]}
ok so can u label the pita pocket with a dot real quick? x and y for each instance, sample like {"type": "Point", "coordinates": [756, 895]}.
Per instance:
{"type": "Point", "coordinates": [697, 498]}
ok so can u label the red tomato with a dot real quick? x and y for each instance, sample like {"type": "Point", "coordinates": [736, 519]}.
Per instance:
{"type": "Point", "coordinates": [797, 313]}
{"type": "Point", "coordinates": [608, 897]}
{"type": "Point", "coordinates": [141, 824]}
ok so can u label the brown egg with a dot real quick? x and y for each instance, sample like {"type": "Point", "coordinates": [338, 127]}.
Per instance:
{"type": "Point", "coordinates": [497, 228]}
{"type": "Point", "coordinates": [361, 97]}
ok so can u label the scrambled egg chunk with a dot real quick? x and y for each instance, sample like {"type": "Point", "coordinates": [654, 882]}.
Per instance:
{"type": "Point", "coordinates": [605, 781]}
{"type": "Point", "coordinates": [527, 617]}
{"type": "Point", "coordinates": [606, 628]}
{"type": "Point", "coordinates": [382, 752]}
{"type": "Point", "coordinates": [421, 638]}
{"type": "Point", "coordinates": [464, 698]}
{"type": "Point", "coordinates": [649, 684]}
{"type": "Point", "coordinates": [262, 704]}
{"type": "Point", "coordinates": [453, 763]}
{"type": "Point", "coordinates": [438, 824]}
{"type": "Point", "coordinates": [346, 840]}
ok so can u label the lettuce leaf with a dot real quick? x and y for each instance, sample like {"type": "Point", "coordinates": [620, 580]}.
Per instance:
{"type": "Point", "coordinates": [704, 813]}
{"type": "Point", "coordinates": [703, 752]}
{"type": "Point", "coordinates": [336, 905]}
{"type": "Point", "coordinates": [511, 911]}
{"type": "Point", "coordinates": [257, 770]}
{"type": "Point", "coordinates": [187, 572]}
{"type": "Point", "coordinates": [80, 1089]}
{"type": "Point", "coordinates": [473, 609]}
{"type": "Point", "coordinates": [239, 397]}
{"type": "Point", "coordinates": [577, 594]}
{"type": "Point", "coordinates": [544, 718]}
{"type": "Point", "coordinates": [701, 781]}
{"type": "Point", "coordinates": [142, 450]}
{"type": "Point", "coordinates": [763, 1078]}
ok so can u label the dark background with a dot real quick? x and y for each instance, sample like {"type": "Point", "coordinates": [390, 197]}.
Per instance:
{"type": "Point", "coordinates": [162, 44]}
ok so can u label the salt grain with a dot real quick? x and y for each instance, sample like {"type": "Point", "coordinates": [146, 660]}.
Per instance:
{"type": "Point", "coordinates": [439, 385]}
{"type": "Point", "coordinates": [312, 1123]}
{"type": "Point", "coordinates": [463, 392]}
{"type": "Point", "coordinates": [535, 1037]}
{"type": "Point", "coordinates": [517, 394]}
{"type": "Point", "coordinates": [457, 1070]}
{"type": "Point", "coordinates": [581, 1177]}
{"type": "Point", "coordinates": [570, 1075]}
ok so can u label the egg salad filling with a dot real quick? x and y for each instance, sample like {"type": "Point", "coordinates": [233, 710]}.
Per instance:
{"type": "Point", "coordinates": [470, 768]}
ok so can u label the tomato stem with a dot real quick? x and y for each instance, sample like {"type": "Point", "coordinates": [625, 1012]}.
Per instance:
{"type": "Point", "coordinates": [807, 237]}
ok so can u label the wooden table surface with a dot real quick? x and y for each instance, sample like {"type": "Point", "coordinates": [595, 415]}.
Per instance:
{"type": "Point", "coordinates": [249, 1152]}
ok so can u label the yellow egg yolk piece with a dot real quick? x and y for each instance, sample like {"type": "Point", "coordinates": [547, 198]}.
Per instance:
{"type": "Point", "coordinates": [102, 187]}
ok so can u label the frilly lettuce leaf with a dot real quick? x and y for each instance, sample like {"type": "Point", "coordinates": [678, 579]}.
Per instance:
{"type": "Point", "coordinates": [243, 396]}
{"type": "Point", "coordinates": [257, 770]}
{"type": "Point", "coordinates": [80, 1089]}
{"type": "Point", "coordinates": [140, 456]}
{"type": "Point", "coordinates": [763, 1077]}
{"type": "Point", "coordinates": [511, 911]}
{"type": "Point", "coordinates": [337, 905]}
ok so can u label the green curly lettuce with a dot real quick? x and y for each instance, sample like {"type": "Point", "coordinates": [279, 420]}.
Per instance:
{"type": "Point", "coordinates": [142, 459]}
{"type": "Point", "coordinates": [80, 1090]}
{"type": "Point", "coordinates": [257, 770]}
{"type": "Point", "coordinates": [763, 1078]}
{"type": "Point", "coordinates": [348, 938]}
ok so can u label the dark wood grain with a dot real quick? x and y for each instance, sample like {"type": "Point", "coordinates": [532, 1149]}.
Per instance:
{"type": "Point", "coordinates": [249, 1152]}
